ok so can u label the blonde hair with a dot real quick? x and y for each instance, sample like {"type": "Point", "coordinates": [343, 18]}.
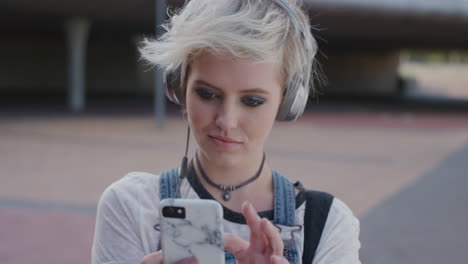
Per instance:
{"type": "Point", "coordinates": [245, 29]}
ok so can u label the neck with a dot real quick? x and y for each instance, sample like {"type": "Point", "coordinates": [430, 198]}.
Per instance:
{"type": "Point", "coordinates": [233, 173]}
{"type": "Point", "coordinates": [259, 192]}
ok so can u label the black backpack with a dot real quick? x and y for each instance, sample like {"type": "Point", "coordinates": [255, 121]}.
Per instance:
{"type": "Point", "coordinates": [316, 213]}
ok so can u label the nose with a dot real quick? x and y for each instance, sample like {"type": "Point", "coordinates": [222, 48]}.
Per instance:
{"type": "Point", "coordinates": [227, 116]}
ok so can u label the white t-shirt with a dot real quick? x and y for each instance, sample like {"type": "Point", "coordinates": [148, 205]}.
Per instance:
{"type": "Point", "coordinates": [129, 209]}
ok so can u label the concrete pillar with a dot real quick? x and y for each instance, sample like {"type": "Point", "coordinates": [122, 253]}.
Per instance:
{"type": "Point", "coordinates": [77, 39]}
{"type": "Point", "coordinates": [159, 99]}
{"type": "Point", "coordinates": [362, 73]}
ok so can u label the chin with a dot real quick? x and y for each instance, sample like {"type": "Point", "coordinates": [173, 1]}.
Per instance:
{"type": "Point", "coordinates": [222, 158]}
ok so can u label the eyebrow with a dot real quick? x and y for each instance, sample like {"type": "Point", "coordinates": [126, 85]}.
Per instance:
{"type": "Point", "coordinates": [252, 90]}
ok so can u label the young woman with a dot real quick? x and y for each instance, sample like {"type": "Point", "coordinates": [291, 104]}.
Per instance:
{"type": "Point", "coordinates": [235, 66]}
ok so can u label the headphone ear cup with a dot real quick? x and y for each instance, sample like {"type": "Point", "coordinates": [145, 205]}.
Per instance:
{"type": "Point", "coordinates": [296, 95]}
{"type": "Point", "coordinates": [293, 105]}
{"type": "Point", "coordinates": [173, 85]}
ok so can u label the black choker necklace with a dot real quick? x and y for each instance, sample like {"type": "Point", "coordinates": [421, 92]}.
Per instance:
{"type": "Point", "coordinates": [228, 189]}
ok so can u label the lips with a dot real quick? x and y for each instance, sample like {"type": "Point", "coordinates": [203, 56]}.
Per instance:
{"type": "Point", "coordinates": [225, 139]}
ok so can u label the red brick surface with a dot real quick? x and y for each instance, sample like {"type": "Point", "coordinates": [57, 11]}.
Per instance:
{"type": "Point", "coordinates": [45, 236]}
{"type": "Point", "coordinates": [363, 158]}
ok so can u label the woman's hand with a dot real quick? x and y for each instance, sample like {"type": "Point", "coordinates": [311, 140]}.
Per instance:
{"type": "Point", "coordinates": [157, 258]}
{"type": "Point", "coordinates": [265, 245]}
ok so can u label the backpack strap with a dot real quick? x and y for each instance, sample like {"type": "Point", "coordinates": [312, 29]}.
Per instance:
{"type": "Point", "coordinates": [316, 213]}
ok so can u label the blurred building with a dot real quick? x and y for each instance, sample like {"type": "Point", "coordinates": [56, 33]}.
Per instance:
{"type": "Point", "coordinates": [76, 49]}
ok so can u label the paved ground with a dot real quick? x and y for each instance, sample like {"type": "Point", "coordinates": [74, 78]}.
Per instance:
{"type": "Point", "coordinates": [425, 222]}
{"type": "Point", "coordinates": [403, 173]}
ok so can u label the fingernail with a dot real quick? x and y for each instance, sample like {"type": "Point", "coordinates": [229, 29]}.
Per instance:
{"type": "Point", "coordinates": [248, 206]}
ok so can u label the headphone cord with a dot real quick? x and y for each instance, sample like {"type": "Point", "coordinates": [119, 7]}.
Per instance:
{"type": "Point", "coordinates": [183, 167]}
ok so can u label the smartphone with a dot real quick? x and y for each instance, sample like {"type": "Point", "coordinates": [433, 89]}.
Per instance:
{"type": "Point", "coordinates": [191, 228]}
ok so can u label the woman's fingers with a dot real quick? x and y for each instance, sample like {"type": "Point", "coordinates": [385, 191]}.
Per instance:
{"type": "Point", "coordinates": [154, 258]}
{"type": "Point", "coordinates": [278, 260]}
{"type": "Point", "coordinates": [275, 242]}
{"type": "Point", "coordinates": [257, 239]}
{"type": "Point", "coordinates": [235, 245]}
{"type": "Point", "coordinates": [264, 239]}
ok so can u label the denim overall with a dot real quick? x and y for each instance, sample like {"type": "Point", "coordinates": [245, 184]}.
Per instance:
{"type": "Point", "coordinates": [284, 208]}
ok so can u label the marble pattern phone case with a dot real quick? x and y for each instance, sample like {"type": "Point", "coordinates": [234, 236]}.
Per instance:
{"type": "Point", "coordinates": [199, 234]}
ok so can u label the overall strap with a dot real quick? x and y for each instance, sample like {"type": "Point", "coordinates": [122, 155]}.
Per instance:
{"type": "Point", "coordinates": [284, 213]}
{"type": "Point", "coordinates": [168, 181]}
{"type": "Point", "coordinates": [284, 200]}
{"type": "Point", "coordinates": [316, 213]}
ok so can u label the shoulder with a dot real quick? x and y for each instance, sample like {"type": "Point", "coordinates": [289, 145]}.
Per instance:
{"type": "Point", "coordinates": [337, 215]}
{"type": "Point", "coordinates": [322, 199]}
{"type": "Point", "coordinates": [332, 208]}
{"type": "Point", "coordinates": [134, 182]}
{"type": "Point", "coordinates": [339, 242]}
{"type": "Point", "coordinates": [134, 187]}
{"type": "Point", "coordinates": [341, 216]}
{"type": "Point", "coordinates": [126, 211]}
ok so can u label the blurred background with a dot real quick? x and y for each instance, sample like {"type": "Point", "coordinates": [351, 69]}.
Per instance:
{"type": "Point", "coordinates": [388, 133]}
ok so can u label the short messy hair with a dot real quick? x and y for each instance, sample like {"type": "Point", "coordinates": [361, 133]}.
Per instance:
{"type": "Point", "coordinates": [244, 29]}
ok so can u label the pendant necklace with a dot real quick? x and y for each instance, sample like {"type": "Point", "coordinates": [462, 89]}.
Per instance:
{"type": "Point", "coordinates": [227, 189]}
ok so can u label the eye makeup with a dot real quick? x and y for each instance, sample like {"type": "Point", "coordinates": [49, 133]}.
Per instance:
{"type": "Point", "coordinates": [208, 94]}
{"type": "Point", "coordinates": [253, 101]}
